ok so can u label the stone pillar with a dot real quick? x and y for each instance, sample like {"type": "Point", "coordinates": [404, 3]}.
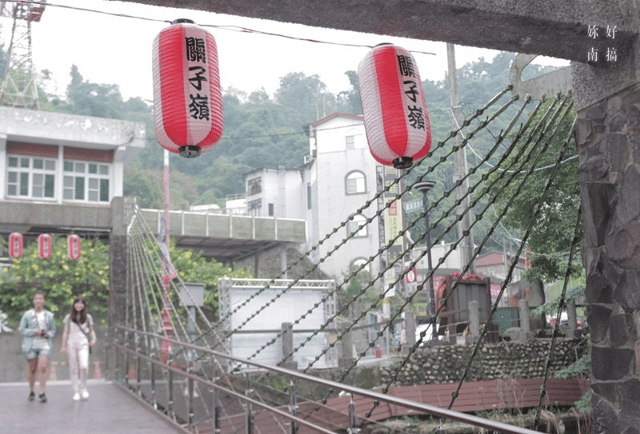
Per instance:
{"type": "Point", "coordinates": [608, 138]}
{"type": "Point", "coordinates": [474, 321]}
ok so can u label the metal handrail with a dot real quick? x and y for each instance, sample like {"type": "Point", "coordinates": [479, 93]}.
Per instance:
{"type": "Point", "coordinates": [425, 408]}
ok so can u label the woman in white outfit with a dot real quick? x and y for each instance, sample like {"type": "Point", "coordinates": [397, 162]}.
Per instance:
{"type": "Point", "coordinates": [77, 338]}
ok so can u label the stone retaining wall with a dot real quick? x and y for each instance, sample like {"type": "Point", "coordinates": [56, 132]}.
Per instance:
{"type": "Point", "coordinates": [447, 363]}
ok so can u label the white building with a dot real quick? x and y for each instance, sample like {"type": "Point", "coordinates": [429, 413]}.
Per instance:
{"type": "Point", "coordinates": [336, 181]}
{"type": "Point", "coordinates": [55, 158]}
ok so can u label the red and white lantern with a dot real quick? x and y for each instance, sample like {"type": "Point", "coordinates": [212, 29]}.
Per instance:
{"type": "Point", "coordinates": [73, 247]}
{"type": "Point", "coordinates": [44, 246]}
{"type": "Point", "coordinates": [186, 86]}
{"type": "Point", "coordinates": [393, 106]}
{"type": "Point", "coordinates": [15, 245]}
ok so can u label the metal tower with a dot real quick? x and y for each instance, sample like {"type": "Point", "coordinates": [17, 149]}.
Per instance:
{"type": "Point", "coordinates": [19, 87]}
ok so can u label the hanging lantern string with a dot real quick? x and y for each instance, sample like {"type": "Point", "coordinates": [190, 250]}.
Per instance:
{"type": "Point", "coordinates": [231, 28]}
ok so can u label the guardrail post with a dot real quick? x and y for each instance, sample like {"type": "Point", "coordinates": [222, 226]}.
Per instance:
{"type": "Point", "coordinates": [249, 415]}
{"type": "Point", "coordinates": [215, 420]}
{"type": "Point", "coordinates": [353, 418]}
{"type": "Point", "coordinates": [170, 412]}
{"type": "Point", "coordinates": [287, 346]}
{"type": "Point", "coordinates": [138, 366]}
{"type": "Point", "coordinates": [154, 400]}
{"type": "Point", "coordinates": [126, 359]}
{"type": "Point", "coordinates": [190, 393]}
{"type": "Point", "coordinates": [293, 406]}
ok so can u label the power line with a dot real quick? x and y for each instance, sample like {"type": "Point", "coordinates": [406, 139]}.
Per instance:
{"type": "Point", "coordinates": [231, 28]}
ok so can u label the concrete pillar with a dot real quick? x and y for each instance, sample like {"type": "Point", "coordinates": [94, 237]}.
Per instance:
{"type": "Point", "coordinates": [287, 346]}
{"type": "Point", "coordinates": [346, 357]}
{"type": "Point", "coordinates": [474, 321]}
{"type": "Point", "coordinates": [525, 321]}
{"type": "Point", "coordinates": [410, 327]}
{"type": "Point", "coordinates": [118, 261]}
{"type": "Point", "coordinates": [608, 138]}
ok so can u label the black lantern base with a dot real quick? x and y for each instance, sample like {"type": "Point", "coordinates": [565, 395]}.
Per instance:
{"type": "Point", "coordinates": [403, 162]}
{"type": "Point", "coordinates": [189, 151]}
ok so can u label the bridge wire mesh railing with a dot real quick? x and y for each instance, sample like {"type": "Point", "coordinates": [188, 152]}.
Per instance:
{"type": "Point", "coordinates": [342, 417]}
{"type": "Point", "coordinates": [411, 296]}
{"type": "Point", "coordinates": [542, 128]}
{"type": "Point", "coordinates": [366, 205]}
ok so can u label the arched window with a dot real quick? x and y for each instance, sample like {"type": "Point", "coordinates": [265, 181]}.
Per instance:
{"type": "Point", "coordinates": [358, 262]}
{"type": "Point", "coordinates": [354, 227]}
{"type": "Point", "coordinates": [355, 183]}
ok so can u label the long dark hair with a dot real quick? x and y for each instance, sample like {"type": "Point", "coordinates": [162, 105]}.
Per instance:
{"type": "Point", "coordinates": [79, 317]}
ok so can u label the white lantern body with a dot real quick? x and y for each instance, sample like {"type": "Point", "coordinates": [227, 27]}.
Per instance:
{"type": "Point", "coordinates": [393, 106]}
{"type": "Point", "coordinates": [187, 95]}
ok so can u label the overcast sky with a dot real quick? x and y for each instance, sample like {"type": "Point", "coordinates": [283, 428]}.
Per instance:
{"type": "Point", "coordinates": [117, 50]}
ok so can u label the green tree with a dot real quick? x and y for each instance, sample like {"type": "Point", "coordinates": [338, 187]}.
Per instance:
{"type": "Point", "coordinates": [60, 278]}
{"type": "Point", "coordinates": [552, 233]}
{"type": "Point", "coordinates": [194, 268]}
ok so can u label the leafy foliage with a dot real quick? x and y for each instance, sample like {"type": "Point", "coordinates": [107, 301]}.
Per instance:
{"type": "Point", "coordinates": [60, 278]}
{"type": "Point", "coordinates": [194, 268]}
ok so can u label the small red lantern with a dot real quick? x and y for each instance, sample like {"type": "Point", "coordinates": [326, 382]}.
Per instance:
{"type": "Point", "coordinates": [44, 246]}
{"type": "Point", "coordinates": [393, 106]}
{"type": "Point", "coordinates": [15, 245]}
{"type": "Point", "coordinates": [73, 247]}
{"type": "Point", "coordinates": [186, 86]}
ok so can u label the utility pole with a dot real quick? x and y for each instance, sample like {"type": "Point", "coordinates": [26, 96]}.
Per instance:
{"type": "Point", "coordinates": [460, 167]}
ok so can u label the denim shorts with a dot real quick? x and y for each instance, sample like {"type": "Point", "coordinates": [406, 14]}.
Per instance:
{"type": "Point", "coordinates": [34, 353]}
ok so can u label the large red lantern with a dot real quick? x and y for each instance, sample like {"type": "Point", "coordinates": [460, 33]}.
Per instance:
{"type": "Point", "coordinates": [393, 106]}
{"type": "Point", "coordinates": [44, 246]}
{"type": "Point", "coordinates": [73, 247]}
{"type": "Point", "coordinates": [186, 87]}
{"type": "Point", "coordinates": [15, 245]}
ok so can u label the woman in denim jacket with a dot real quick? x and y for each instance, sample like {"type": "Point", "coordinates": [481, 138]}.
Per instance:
{"type": "Point", "coordinates": [37, 328]}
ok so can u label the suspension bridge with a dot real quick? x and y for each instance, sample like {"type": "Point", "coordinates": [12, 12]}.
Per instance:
{"type": "Point", "coordinates": [256, 365]}
{"type": "Point", "coordinates": [244, 371]}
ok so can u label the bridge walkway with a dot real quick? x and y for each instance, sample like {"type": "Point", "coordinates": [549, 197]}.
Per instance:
{"type": "Point", "coordinates": [108, 410]}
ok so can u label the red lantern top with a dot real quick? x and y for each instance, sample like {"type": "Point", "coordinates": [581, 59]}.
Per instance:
{"type": "Point", "coordinates": [393, 106]}
{"type": "Point", "coordinates": [44, 246]}
{"type": "Point", "coordinates": [15, 245]}
{"type": "Point", "coordinates": [187, 95]}
{"type": "Point", "coordinates": [73, 247]}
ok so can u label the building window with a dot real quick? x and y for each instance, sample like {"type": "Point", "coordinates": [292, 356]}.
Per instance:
{"type": "Point", "coordinates": [350, 142]}
{"type": "Point", "coordinates": [254, 207]}
{"type": "Point", "coordinates": [355, 183]}
{"type": "Point", "coordinates": [85, 181]}
{"type": "Point", "coordinates": [359, 262]}
{"type": "Point", "coordinates": [270, 210]}
{"type": "Point", "coordinates": [354, 227]}
{"type": "Point", "coordinates": [254, 186]}
{"type": "Point", "coordinates": [309, 198]}
{"type": "Point", "coordinates": [31, 177]}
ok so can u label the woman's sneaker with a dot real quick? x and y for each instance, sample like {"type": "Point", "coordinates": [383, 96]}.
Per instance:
{"type": "Point", "coordinates": [76, 396]}
{"type": "Point", "coordinates": [84, 394]}
{"type": "Point", "coordinates": [42, 397]}
{"type": "Point", "coordinates": [32, 396]}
